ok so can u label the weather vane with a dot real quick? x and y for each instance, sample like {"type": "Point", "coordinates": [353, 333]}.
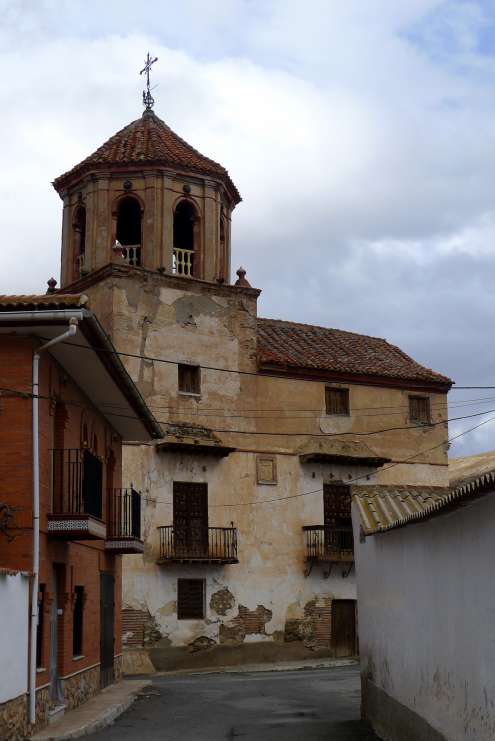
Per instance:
{"type": "Point", "coordinates": [148, 100]}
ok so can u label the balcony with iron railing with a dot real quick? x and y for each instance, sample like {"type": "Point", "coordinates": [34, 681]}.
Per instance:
{"type": "Point", "coordinates": [213, 545]}
{"type": "Point", "coordinates": [77, 501]}
{"type": "Point", "coordinates": [124, 522]}
{"type": "Point", "coordinates": [183, 262]}
{"type": "Point", "coordinates": [329, 544]}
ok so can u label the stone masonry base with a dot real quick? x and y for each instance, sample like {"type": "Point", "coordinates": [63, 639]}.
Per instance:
{"type": "Point", "coordinates": [77, 689]}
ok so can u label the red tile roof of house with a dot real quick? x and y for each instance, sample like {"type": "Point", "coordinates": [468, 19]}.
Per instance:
{"type": "Point", "coordinates": [304, 346]}
{"type": "Point", "coordinates": [43, 301]}
{"type": "Point", "coordinates": [148, 141]}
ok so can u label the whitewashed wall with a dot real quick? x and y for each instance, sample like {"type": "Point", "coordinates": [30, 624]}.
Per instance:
{"type": "Point", "coordinates": [426, 601]}
{"type": "Point", "coordinates": [14, 608]}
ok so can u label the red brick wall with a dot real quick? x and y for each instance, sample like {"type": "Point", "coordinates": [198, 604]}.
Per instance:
{"type": "Point", "coordinates": [78, 564]}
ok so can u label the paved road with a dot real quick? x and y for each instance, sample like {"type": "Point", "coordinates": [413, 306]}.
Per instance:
{"type": "Point", "coordinates": [308, 705]}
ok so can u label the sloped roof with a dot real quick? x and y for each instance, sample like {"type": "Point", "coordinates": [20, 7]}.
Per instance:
{"type": "Point", "coordinates": [304, 346]}
{"type": "Point", "coordinates": [44, 301]}
{"type": "Point", "coordinates": [148, 141]}
{"type": "Point", "coordinates": [470, 468]}
{"type": "Point", "coordinates": [383, 507]}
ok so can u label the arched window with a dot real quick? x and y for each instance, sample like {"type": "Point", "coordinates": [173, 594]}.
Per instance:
{"type": "Point", "coordinates": [129, 229]}
{"type": "Point", "coordinates": [79, 240]}
{"type": "Point", "coordinates": [185, 238]}
{"type": "Point", "coordinates": [223, 267]}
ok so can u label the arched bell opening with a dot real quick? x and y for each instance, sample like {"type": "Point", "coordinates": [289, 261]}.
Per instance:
{"type": "Point", "coordinates": [79, 242]}
{"type": "Point", "coordinates": [186, 239]}
{"type": "Point", "coordinates": [129, 229]}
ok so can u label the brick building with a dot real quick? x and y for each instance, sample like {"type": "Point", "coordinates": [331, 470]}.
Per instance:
{"type": "Point", "coordinates": [84, 405]}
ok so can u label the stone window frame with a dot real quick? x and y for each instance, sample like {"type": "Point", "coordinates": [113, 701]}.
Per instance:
{"type": "Point", "coordinates": [259, 478]}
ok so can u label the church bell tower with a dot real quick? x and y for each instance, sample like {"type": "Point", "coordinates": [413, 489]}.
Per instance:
{"type": "Point", "coordinates": [148, 199]}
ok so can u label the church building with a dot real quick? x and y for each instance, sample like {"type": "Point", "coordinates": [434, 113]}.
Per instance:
{"type": "Point", "coordinates": [269, 424]}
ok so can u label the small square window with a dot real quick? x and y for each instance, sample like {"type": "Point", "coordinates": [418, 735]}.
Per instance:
{"type": "Point", "coordinates": [189, 379]}
{"type": "Point", "coordinates": [337, 400]}
{"type": "Point", "coordinates": [191, 599]}
{"type": "Point", "coordinates": [266, 469]}
{"type": "Point", "coordinates": [419, 410]}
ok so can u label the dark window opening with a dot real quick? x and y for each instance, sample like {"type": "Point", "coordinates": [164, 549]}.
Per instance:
{"type": "Point", "coordinates": [184, 216]}
{"type": "Point", "coordinates": [419, 410]}
{"type": "Point", "coordinates": [79, 238]}
{"type": "Point", "coordinates": [337, 401]}
{"type": "Point", "coordinates": [40, 633]}
{"type": "Point", "coordinates": [77, 622]}
{"type": "Point", "coordinates": [191, 599]}
{"type": "Point", "coordinates": [184, 238]}
{"type": "Point", "coordinates": [129, 222]}
{"type": "Point", "coordinates": [189, 379]}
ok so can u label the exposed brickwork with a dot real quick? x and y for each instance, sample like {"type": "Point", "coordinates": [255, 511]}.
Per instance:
{"type": "Point", "coordinates": [133, 622]}
{"type": "Point", "coordinates": [315, 628]}
{"type": "Point", "coordinates": [247, 622]}
{"type": "Point", "coordinates": [63, 564]}
{"type": "Point", "coordinates": [289, 344]}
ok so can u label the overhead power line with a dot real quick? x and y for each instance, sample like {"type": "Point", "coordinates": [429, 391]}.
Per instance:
{"type": "Point", "coordinates": [348, 483]}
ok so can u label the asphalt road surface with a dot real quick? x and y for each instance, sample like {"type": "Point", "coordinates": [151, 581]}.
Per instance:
{"type": "Point", "coordinates": [305, 705]}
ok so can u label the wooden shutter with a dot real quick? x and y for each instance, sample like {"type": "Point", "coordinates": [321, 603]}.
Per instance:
{"type": "Point", "coordinates": [419, 409]}
{"type": "Point", "coordinates": [191, 518]}
{"type": "Point", "coordinates": [337, 400]}
{"type": "Point", "coordinates": [189, 379]}
{"type": "Point", "coordinates": [190, 599]}
{"type": "Point", "coordinates": [337, 504]}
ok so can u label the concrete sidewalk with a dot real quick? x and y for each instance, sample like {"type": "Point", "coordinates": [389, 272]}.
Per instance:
{"type": "Point", "coordinates": [94, 714]}
{"type": "Point", "coordinates": [279, 666]}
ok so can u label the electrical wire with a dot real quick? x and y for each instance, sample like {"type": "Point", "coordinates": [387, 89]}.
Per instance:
{"type": "Point", "coordinates": [348, 483]}
{"type": "Point", "coordinates": [281, 434]}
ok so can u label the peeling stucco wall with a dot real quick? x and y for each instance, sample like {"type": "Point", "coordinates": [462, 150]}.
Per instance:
{"type": "Point", "coordinates": [267, 597]}
{"type": "Point", "coordinates": [427, 629]}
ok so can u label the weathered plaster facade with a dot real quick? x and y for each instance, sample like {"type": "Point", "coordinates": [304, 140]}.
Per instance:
{"type": "Point", "coordinates": [160, 320]}
{"type": "Point", "coordinates": [426, 626]}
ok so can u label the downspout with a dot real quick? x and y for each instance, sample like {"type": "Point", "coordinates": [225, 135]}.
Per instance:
{"type": "Point", "coordinates": [36, 515]}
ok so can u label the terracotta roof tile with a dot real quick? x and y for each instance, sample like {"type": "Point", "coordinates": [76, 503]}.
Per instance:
{"type": "Point", "coordinates": [384, 507]}
{"type": "Point", "coordinates": [304, 346]}
{"type": "Point", "coordinates": [148, 141]}
{"type": "Point", "coordinates": [44, 301]}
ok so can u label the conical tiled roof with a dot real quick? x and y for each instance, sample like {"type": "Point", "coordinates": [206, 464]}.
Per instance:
{"type": "Point", "coordinates": [148, 141]}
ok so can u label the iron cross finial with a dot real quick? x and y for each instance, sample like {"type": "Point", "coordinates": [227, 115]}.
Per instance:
{"type": "Point", "coordinates": [148, 100]}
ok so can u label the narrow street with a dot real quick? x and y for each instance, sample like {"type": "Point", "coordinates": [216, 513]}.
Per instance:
{"type": "Point", "coordinates": [306, 705]}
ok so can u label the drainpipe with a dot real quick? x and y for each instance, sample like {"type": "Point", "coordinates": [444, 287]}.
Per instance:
{"type": "Point", "coordinates": [36, 515]}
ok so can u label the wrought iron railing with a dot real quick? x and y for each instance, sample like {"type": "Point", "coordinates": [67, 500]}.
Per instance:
{"type": "Point", "coordinates": [328, 543]}
{"type": "Point", "coordinates": [183, 262]}
{"type": "Point", "coordinates": [131, 254]}
{"type": "Point", "coordinates": [212, 543]}
{"type": "Point", "coordinates": [124, 517]}
{"type": "Point", "coordinates": [77, 482]}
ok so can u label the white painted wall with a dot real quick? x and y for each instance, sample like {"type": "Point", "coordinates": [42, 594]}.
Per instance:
{"type": "Point", "coordinates": [426, 601]}
{"type": "Point", "coordinates": [14, 608]}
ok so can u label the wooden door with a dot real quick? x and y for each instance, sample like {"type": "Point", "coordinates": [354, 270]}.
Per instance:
{"type": "Point", "coordinates": [344, 641]}
{"type": "Point", "coordinates": [191, 519]}
{"type": "Point", "coordinates": [337, 517]}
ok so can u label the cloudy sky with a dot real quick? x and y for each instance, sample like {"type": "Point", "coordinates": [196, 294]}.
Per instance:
{"type": "Point", "coordinates": [361, 135]}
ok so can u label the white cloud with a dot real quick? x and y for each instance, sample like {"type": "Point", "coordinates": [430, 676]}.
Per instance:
{"type": "Point", "coordinates": [364, 154]}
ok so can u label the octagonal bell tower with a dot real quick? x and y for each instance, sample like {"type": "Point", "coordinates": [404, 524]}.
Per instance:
{"type": "Point", "coordinates": [148, 199]}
